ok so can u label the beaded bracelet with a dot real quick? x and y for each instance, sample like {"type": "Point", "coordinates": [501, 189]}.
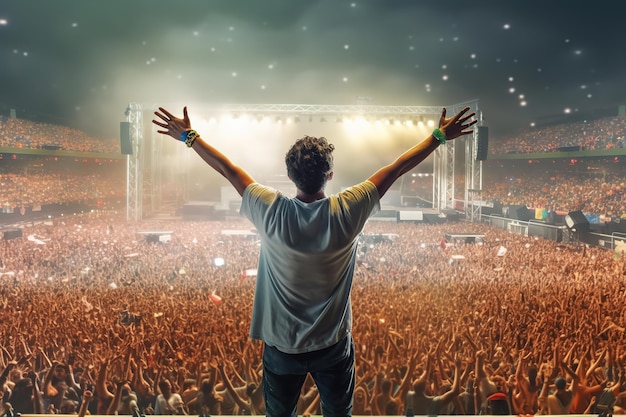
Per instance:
{"type": "Point", "coordinates": [440, 136]}
{"type": "Point", "coordinates": [189, 137]}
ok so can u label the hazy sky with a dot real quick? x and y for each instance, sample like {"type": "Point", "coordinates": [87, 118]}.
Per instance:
{"type": "Point", "coordinates": [80, 62]}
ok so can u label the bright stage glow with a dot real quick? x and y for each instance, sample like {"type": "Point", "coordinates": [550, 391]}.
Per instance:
{"type": "Point", "coordinates": [238, 121]}
{"type": "Point", "coordinates": [258, 142]}
{"type": "Point", "coordinates": [358, 122]}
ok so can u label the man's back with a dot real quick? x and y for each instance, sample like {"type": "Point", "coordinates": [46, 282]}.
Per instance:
{"type": "Point", "coordinates": [306, 263]}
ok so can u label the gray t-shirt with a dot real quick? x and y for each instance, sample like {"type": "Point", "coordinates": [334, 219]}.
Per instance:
{"type": "Point", "coordinates": [306, 264]}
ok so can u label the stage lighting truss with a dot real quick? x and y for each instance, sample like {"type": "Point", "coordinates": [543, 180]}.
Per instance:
{"type": "Point", "coordinates": [409, 116]}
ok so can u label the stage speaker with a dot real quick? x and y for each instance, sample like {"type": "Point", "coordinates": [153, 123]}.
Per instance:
{"type": "Point", "coordinates": [577, 222]}
{"type": "Point", "coordinates": [125, 143]}
{"type": "Point", "coordinates": [520, 213]}
{"type": "Point", "coordinates": [482, 143]}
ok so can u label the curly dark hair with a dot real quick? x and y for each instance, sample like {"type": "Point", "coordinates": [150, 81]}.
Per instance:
{"type": "Point", "coordinates": [309, 162]}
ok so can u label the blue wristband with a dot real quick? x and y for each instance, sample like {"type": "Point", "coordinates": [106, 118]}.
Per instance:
{"type": "Point", "coordinates": [440, 136]}
{"type": "Point", "coordinates": [183, 135]}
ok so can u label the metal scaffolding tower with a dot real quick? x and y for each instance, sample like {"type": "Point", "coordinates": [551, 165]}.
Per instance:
{"type": "Point", "coordinates": [134, 164]}
{"type": "Point", "coordinates": [473, 175]}
{"type": "Point", "coordinates": [443, 177]}
{"type": "Point", "coordinates": [445, 161]}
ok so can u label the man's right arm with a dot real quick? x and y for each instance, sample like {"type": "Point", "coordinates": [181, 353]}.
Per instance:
{"type": "Point", "coordinates": [236, 175]}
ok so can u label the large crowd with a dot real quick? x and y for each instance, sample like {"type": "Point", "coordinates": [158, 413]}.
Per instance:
{"type": "Point", "coordinates": [604, 133]}
{"type": "Point", "coordinates": [96, 317]}
{"type": "Point", "coordinates": [38, 189]}
{"type": "Point", "coordinates": [597, 189]}
{"type": "Point", "coordinates": [95, 313]}
{"type": "Point", "coordinates": [545, 186]}
{"type": "Point", "coordinates": [553, 189]}
{"type": "Point", "coordinates": [24, 134]}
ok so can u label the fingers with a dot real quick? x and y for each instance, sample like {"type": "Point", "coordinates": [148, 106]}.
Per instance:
{"type": "Point", "coordinates": [466, 125]}
{"type": "Point", "coordinates": [170, 123]}
{"type": "Point", "coordinates": [462, 112]}
{"type": "Point", "coordinates": [163, 125]}
{"type": "Point", "coordinates": [159, 123]}
{"type": "Point", "coordinates": [166, 117]}
{"type": "Point", "coordinates": [168, 114]}
{"type": "Point", "coordinates": [460, 119]}
{"type": "Point", "coordinates": [162, 117]}
{"type": "Point", "coordinates": [469, 116]}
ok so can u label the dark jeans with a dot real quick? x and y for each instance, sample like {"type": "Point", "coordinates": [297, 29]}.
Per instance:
{"type": "Point", "coordinates": [331, 368]}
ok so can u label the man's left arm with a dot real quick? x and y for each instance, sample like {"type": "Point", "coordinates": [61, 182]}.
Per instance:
{"type": "Point", "coordinates": [449, 128]}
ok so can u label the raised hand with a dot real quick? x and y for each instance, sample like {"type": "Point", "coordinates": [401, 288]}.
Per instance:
{"type": "Point", "coordinates": [172, 125]}
{"type": "Point", "coordinates": [456, 126]}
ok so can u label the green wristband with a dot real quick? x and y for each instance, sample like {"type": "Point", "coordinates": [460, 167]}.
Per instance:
{"type": "Point", "coordinates": [440, 136]}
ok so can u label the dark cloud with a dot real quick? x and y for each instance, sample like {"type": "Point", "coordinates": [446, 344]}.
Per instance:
{"type": "Point", "coordinates": [80, 62]}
